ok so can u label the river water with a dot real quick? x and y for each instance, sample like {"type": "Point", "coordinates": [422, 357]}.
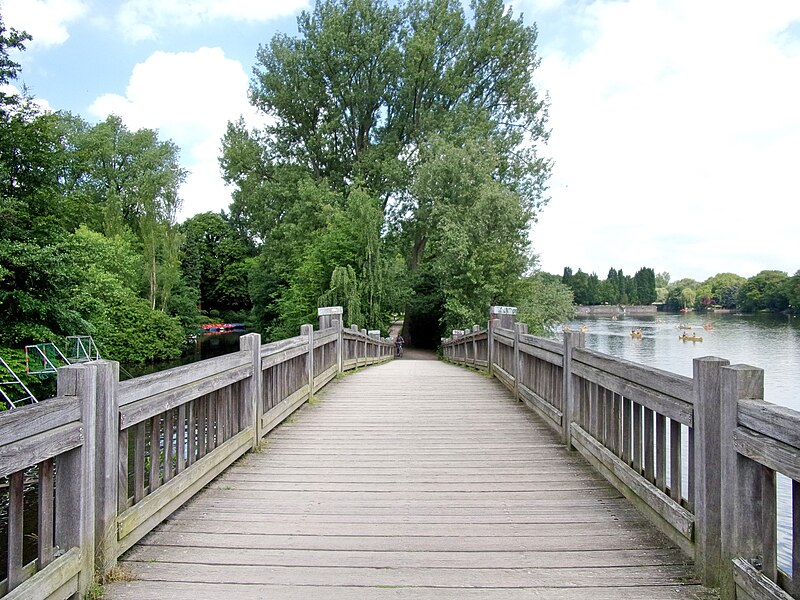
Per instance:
{"type": "Point", "coordinates": [770, 342]}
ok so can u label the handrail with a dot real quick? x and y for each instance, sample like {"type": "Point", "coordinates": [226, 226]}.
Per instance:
{"type": "Point", "coordinates": [698, 456]}
{"type": "Point", "coordinates": [128, 454]}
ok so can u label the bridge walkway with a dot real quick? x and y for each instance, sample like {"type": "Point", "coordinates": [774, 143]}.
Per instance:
{"type": "Point", "coordinates": [416, 479]}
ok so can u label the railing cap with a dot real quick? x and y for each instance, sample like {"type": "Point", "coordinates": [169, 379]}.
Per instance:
{"type": "Point", "coordinates": [329, 310]}
{"type": "Point", "coordinates": [502, 310]}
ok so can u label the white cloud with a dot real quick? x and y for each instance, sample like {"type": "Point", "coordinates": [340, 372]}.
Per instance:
{"type": "Point", "coordinates": [45, 20]}
{"type": "Point", "coordinates": [12, 90]}
{"type": "Point", "coordinates": [142, 19]}
{"type": "Point", "coordinates": [189, 97]}
{"type": "Point", "coordinates": [674, 135]}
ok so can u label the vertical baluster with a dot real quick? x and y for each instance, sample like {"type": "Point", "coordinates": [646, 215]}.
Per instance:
{"type": "Point", "coordinates": [155, 452]}
{"type": "Point", "coordinates": [661, 452]}
{"type": "Point", "coordinates": [675, 462]}
{"type": "Point", "coordinates": [769, 523]}
{"type": "Point", "coordinates": [191, 432]}
{"type": "Point", "coordinates": [795, 538]}
{"type": "Point", "coordinates": [637, 437]}
{"type": "Point", "coordinates": [123, 476]}
{"type": "Point", "coordinates": [15, 529]}
{"type": "Point", "coordinates": [616, 413]}
{"type": "Point", "coordinates": [169, 427]}
{"type": "Point", "coordinates": [180, 442]}
{"type": "Point", "coordinates": [202, 426]}
{"type": "Point", "coordinates": [690, 492]}
{"type": "Point", "coordinates": [213, 422]}
{"type": "Point", "coordinates": [138, 461]}
{"type": "Point", "coordinates": [627, 430]}
{"type": "Point", "coordinates": [46, 513]}
{"type": "Point", "coordinates": [649, 443]}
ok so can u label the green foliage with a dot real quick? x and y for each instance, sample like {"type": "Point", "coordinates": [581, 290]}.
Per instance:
{"type": "Point", "coordinates": [60, 278]}
{"type": "Point", "coordinates": [764, 291]}
{"type": "Point", "coordinates": [617, 288]}
{"type": "Point", "coordinates": [216, 260]}
{"type": "Point", "coordinates": [546, 303]}
{"type": "Point", "coordinates": [372, 106]}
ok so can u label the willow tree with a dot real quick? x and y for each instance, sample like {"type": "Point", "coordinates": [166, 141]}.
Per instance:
{"type": "Point", "coordinates": [358, 97]}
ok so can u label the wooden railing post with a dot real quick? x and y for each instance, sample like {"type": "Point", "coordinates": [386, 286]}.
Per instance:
{"type": "Point", "coordinates": [308, 331]}
{"type": "Point", "coordinates": [337, 323]}
{"type": "Point", "coordinates": [490, 341]}
{"type": "Point", "coordinates": [327, 315]}
{"type": "Point", "coordinates": [519, 329]}
{"type": "Point", "coordinates": [707, 466]}
{"type": "Point", "coordinates": [255, 404]}
{"type": "Point", "coordinates": [366, 347]}
{"type": "Point", "coordinates": [75, 477]}
{"type": "Point", "coordinates": [475, 330]}
{"type": "Point", "coordinates": [741, 478]}
{"type": "Point", "coordinates": [108, 444]}
{"type": "Point", "coordinates": [569, 404]}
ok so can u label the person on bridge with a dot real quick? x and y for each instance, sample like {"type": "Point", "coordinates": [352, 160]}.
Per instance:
{"type": "Point", "coordinates": [398, 345]}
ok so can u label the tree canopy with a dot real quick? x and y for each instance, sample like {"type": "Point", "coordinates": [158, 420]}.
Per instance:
{"type": "Point", "coordinates": [427, 114]}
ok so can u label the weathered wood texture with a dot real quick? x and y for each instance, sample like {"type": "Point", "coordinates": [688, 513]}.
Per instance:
{"type": "Point", "coordinates": [414, 480]}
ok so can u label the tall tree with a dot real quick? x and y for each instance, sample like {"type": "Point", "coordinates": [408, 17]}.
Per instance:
{"type": "Point", "coordinates": [363, 96]}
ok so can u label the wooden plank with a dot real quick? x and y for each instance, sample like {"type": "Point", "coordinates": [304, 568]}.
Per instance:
{"type": "Point", "coordinates": [541, 353]}
{"type": "Point", "coordinates": [140, 519]}
{"type": "Point", "coordinates": [773, 454]}
{"type": "Point", "coordinates": [285, 356]}
{"type": "Point", "coordinates": [39, 447]}
{"type": "Point", "coordinates": [136, 411]}
{"type": "Point", "coordinates": [771, 420]}
{"type": "Point", "coordinates": [147, 386]}
{"type": "Point", "coordinates": [15, 531]}
{"type": "Point", "coordinates": [674, 514]}
{"type": "Point", "coordinates": [323, 338]}
{"type": "Point", "coordinates": [751, 582]}
{"type": "Point", "coordinates": [46, 514]}
{"type": "Point", "coordinates": [539, 404]}
{"type": "Point", "coordinates": [276, 415]}
{"type": "Point", "coordinates": [669, 406]}
{"type": "Point", "coordinates": [664, 382]}
{"type": "Point", "coordinates": [25, 421]}
{"type": "Point", "coordinates": [56, 581]}
{"type": "Point", "coordinates": [323, 378]}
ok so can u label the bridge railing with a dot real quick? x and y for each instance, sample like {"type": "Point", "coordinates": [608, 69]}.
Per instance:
{"type": "Point", "coordinates": [48, 444]}
{"type": "Point", "coordinates": [697, 455]}
{"type": "Point", "coordinates": [113, 459]}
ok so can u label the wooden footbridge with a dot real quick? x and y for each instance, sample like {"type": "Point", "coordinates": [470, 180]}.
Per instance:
{"type": "Point", "coordinates": [546, 471]}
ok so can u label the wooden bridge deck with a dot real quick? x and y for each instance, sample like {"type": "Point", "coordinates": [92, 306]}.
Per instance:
{"type": "Point", "coordinates": [415, 479]}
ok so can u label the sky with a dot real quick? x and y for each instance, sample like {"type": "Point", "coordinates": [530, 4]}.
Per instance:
{"type": "Point", "coordinates": [675, 124]}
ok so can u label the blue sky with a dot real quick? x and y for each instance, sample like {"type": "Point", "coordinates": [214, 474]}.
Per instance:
{"type": "Point", "coordinates": [675, 123]}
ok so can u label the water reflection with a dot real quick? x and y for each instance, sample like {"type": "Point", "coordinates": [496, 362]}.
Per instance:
{"type": "Point", "coordinates": [207, 345]}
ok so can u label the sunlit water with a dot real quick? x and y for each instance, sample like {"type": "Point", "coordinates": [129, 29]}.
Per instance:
{"type": "Point", "coordinates": [769, 342]}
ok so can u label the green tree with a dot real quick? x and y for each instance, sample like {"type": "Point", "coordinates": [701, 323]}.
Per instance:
{"type": "Point", "coordinates": [546, 303]}
{"type": "Point", "coordinates": [682, 294]}
{"type": "Point", "coordinates": [764, 291]}
{"type": "Point", "coordinates": [215, 260]}
{"type": "Point", "coordinates": [645, 282]}
{"type": "Point", "coordinates": [362, 98]}
{"type": "Point", "coordinates": [721, 289]}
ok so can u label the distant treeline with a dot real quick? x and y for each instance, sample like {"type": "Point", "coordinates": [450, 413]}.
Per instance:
{"type": "Point", "coordinates": [773, 291]}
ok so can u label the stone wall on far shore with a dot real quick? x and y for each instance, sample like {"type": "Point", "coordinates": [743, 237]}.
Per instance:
{"type": "Point", "coordinates": [616, 309]}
